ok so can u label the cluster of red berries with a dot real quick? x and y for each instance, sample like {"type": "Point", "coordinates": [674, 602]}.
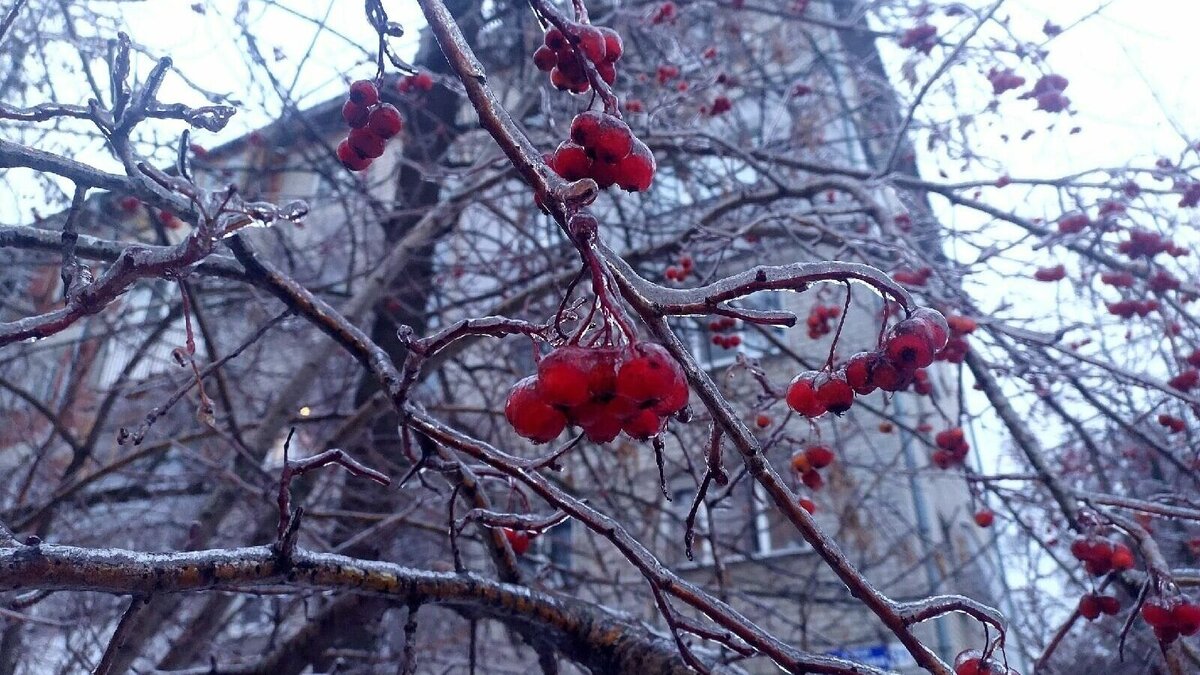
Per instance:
{"type": "Point", "coordinates": [666, 72]}
{"type": "Point", "coordinates": [1173, 424]}
{"type": "Point", "coordinates": [720, 106]}
{"type": "Point", "coordinates": [807, 464]}
{"type": "Point", "coordinates": [603, 148]}
{"type": "Point", "coordinates": [1101, 555]}
{"type": "Point", "coordinates": [1074, 223]}
{"type": "Point", "coordinates": [520, 541]}
{"type": "Point", "coordinates": [910, 345]}
{"type": "Point", "coordinates": [820, 320]}
{"type": "Point", "coordinates": [1117, 279]}
{"type": "Point", "coordinates": [723, 328]}
{"type": "Point", "coordinates": [1161, 281]}
{"type": "Point", "coordinates": [422, 82]}
{"type": "Point", "coordinates": [1190, 194]}
{"type": "Point", "coordinates": [952, 448]}
{"type": "Point", "coordinates": [957, 346]}
{"type": "Point", "coordinates": [1048, 91]}
{"type": "Point", "coordinates": [1146, 244]}
{"type": "Point", "coordinates": [682, 271]}
{"type": "Point", "coordinates": [601, 45]}
{"type": "Point", "coordinates": [1091, 606]}
{"type": "Point", "coordinates": [1126, 309]}
{"type": "Point", "coordinates": [1185, 381]}
{"type": "Point", "coordinates": [1171, 618]}
{"type": "Point", "coordinates": [1055, 273]}
{"type": "Point", "coordinates": [1004, 80]}
{"type": "Point", "coordinates": [372, 124]}
{"type": "Point", "coordinates": [922, 38]}
{"type": "Point", "coordinates": [602, 390]}
{"type": "Point", "coordinates": [973, 662]}
{"type": "Point", "coordinates": [918, 277]}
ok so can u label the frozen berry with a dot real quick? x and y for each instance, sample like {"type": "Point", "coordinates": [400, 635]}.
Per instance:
{"type": "Point", "coordinates": [355, 115]}
{"type": "Point", "coordinates": [350, 157]}
{"type": "Point", "coordinates": [652, 378]}
{"type": "Point", "coordinates": [835, 394]}
{"type": "Point", "coordinates": [364, 93]}
{"type": "Point", "coordinates": [802, 395]}
{"type": "Point", "coordinates": [385, 121]}
{"type": "Point", "coordinates": [365, 143]}
{"type": "Point", "coordinates": [531, 415]}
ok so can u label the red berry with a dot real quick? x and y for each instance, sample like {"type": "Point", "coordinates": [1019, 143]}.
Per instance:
{"type": "Point", "coordinates": [635, 172]}
{"type": "Point", "coordinates": [653, 379]}
{"type": "Point", "coordinates": [385, 121]}
{"type": "Point", "coordinates": [1187, 618]}
{"type": "Point", "coordinates": [591, 43]}
{"type": "Point", "coordinates": [571, 161]}
{"type": "Point", "coordinates": [1074, 223]}
{"type": "Point", "coordinates": [1185, 381]}
{"type": "Point", "coordinates": [908, 351]}
{"type": "Point", "coordinates": [519, 541]}
{"type": "Point", "coordinates": [934, 325]}
{"type": "Point", "coordinates": [608, 72]}
{"type": "Point", "coordinates": [802, 395]}
{"type": "Point", "coordinates": [614, 46]}
{"type": "Point", "coordinates": [554, 39]}
{"type": "Point", "coordinates": [971, 662]}
{"type": "Point", "coordinates": [763, 421]}
{"type": "Point", "coordinates": [564, 376]}
{"type": "Point", "coordinates": [1122, 558]}
{"type": "Point", "coordinates": [643, 425]}
{"type": "Point", "coordinates": [888, 377]}
{"type": "Point", "coordinates": [586, 126]}
{"type": "Point", "coordinates": [531, 415]}
{"type": "Point", "coordinates": [355, 115]}
{"type": "Point", "coordinates": [857, 372]}
{"type": "Point", "coordinates": [812, 480]}
{"type": "Point", "coordinates": [1158, 614]}
{"type": "Point", "coordinates": [1056, 273]}
{"type": "Point", "coordinates": [984, 517]}
{"type": "Point", "coordinates": [350, 158]}
{"type": "Point", "coordinates": [423, 81]}
{"type": "Point", "coordinates": [545, 59]}
{"type": "Point", "coordinates": [602, 422]}
{"type": "Point", "coordinates": [961, 325]}
{"type": "Point", "coordinates": [1166, 634]}
{"type": "Point", "coordinates": [604, 136]}
{"type": "Point", "coordinates": [1089, 607]}
{"type": "Point", "coordinates": [835, 394]}
{"type": "Point", "coordinates": [808, 505]}
{"type": "Point", "coordinates": [720, 105]}
{"type": "Point", "coordinates": [1109, 605]}
{"type": "Point", "coordinates": [604, 173]}
{"type": "Point", "coordinates": [1097, 567]}
{"type": "Point", "coordinates": [364, 93]}
{"type": "Point", "coordinates": [365, 143]}
{"type": "Point", "coordinates": [819, 456]}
